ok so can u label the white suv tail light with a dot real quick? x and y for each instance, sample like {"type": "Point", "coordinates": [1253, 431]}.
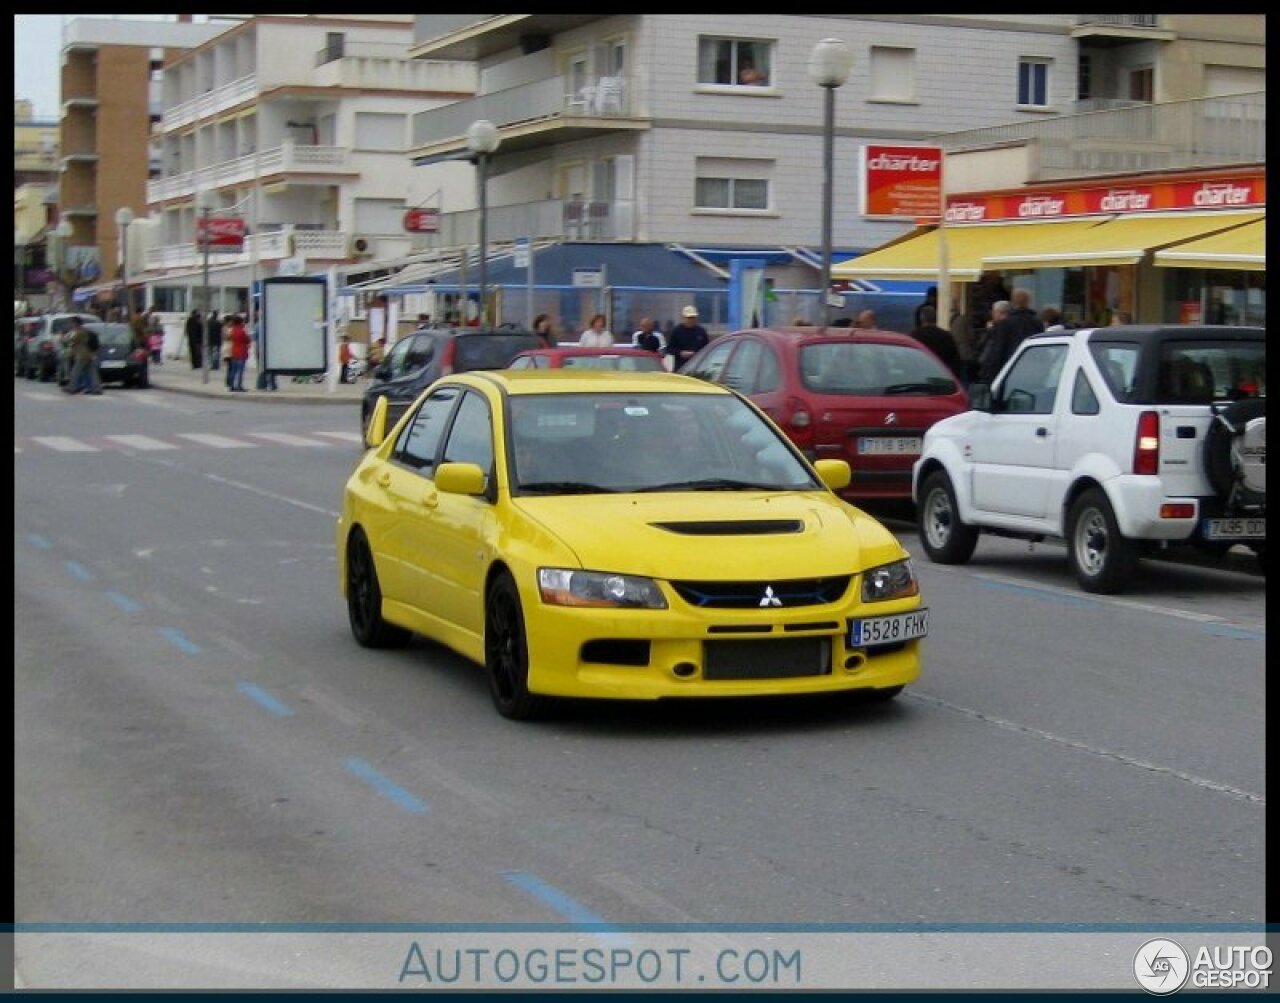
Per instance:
{"type": "Point", "coordinates": [1146, 446]}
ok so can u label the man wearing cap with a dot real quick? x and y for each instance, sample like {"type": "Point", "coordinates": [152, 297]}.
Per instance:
{"type": "Point", "coordinates": [686, 338]}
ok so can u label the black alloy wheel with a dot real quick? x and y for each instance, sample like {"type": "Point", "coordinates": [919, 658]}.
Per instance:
{"type": "Point", "coordinates": [506, 653]}
{"type": "Point", "coordinates": [364, 599]}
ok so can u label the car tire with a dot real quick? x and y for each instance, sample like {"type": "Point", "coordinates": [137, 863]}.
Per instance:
{"type": "Point", "coordinates": [944, 537]}
{"type": "Point", "coordinates": [1103, 559]}
{"type": "Point", "coordinates": [1219, 464]}
{"type": "Point", "coordinates": [364, 599]}
{"type": "Point", "coordinates": [506, 653]}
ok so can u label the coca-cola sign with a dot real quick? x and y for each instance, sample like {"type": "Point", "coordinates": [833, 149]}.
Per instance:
{"type": "Point", "coordinates": [224, 233]}
{"type": "Point", "coordinates": [422, 220]}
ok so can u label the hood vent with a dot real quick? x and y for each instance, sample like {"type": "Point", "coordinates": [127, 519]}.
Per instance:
{"type": "Point", "coordinates": [735, 527]}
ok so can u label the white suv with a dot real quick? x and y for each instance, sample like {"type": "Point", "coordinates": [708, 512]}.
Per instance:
{"type": "Point", "coordinates": [1119, 439]}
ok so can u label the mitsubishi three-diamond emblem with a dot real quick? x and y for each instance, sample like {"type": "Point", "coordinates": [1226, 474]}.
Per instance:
{"type": "Point", "coordinates": [769, 599]}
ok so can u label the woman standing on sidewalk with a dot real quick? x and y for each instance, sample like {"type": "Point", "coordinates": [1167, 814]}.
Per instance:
{"type": "Point", "coordinates": [238, 336]}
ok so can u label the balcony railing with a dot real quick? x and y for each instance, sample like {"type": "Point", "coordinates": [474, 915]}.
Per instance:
{"type": "Point", "coordinates": [210, 103]}
{"type": "Point", "coordinates": [546, 98]}
{"type": "Point", "coordinates": [283, 159]}
{"type": "Point", "coordinates": [273, 245]}
{"type": "Point", "coordinates": [1120, 20]}
{"type": "Point", "coordinates": [1204, 132]}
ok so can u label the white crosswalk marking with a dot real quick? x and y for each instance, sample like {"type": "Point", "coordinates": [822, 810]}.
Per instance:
{"type": "Point", "coordinates": [343, 436]}
{"type": "Point", "coordinates": [64, 444]}
{"type": "Point", "coordinates": [216, 441]}
{"type": "Point", "coordinates": [285, 438]}
{"type": "Point", "coordinates": [144, 442]}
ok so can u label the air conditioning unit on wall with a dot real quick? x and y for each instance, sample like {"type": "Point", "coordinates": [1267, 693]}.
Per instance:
{"type": "Point", "coordinates": [363, 247]}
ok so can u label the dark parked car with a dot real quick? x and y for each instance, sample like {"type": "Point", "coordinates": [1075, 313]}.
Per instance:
{"type": "Point", "coordinates": [120, 360]}
{"type": "Point", "coordinates": [866, 397]}
{"type": "Point", "coordinates": [419, 359]}
{"type": "Point", "coordinates": [574, 357]}
{"type": "Point", "coordinates": [40, 352]}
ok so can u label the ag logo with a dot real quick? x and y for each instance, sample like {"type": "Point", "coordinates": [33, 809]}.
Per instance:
{"type": "Point", "coordinates": [1161, 967]}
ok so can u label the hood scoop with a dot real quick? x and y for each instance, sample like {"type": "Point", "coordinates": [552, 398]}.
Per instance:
{"type": "Point", "coordinates": [734, 527]}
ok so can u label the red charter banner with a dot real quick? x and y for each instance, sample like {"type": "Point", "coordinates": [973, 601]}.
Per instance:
{"type": "Point", "coordinates": [901, 181]}
{"type": "Point", "coordinates": [422, 220]}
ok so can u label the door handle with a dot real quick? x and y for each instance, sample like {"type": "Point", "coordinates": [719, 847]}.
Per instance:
{"type": "Point", "coordinates": [1042, 432]}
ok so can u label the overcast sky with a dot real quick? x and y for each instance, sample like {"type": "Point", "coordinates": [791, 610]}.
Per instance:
{"type": "Point", "coordinates": [37, 56]}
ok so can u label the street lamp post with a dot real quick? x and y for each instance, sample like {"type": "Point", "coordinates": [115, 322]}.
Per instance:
{"type": "Point", "coordinates": [206, 202]}
{"type": "Point", "coordinates": [124, 216]}
{"type": "Point", "coordinates": [482, 140]}
{"type": "Point", "coordinates": [829, 66]}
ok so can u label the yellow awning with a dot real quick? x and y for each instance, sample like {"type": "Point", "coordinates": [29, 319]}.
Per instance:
{"type": "Point", "coordinates": [1244, 248]}
{"type": "Point", "coordinates": [1122, 241]}
{"type": "Point", "coordinates": [968, 247]}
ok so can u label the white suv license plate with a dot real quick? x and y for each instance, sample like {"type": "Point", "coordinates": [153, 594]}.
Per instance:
{"type": "Point", "coordinates": [889, 445]}
{"type": "Point", "coordinates": [888, 629]}
{"type": "Point", "coordinates": [1235, 529]}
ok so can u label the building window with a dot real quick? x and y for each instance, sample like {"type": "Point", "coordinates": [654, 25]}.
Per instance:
{"type": "Point", "coordinates": [1084, 78]}
{"type": "Point", "coordinates": [735, 62]}
{"type": "Point", "coordinates": [1142, 84]}
{"type": "Point", "coordinates": [731, 193]}
{"type": "Point", "coordinates": [893, 74]}
{"type": "Point", "coordinates": [1033, 83]}
{"type": "Point", "coordinates": [380, 131]}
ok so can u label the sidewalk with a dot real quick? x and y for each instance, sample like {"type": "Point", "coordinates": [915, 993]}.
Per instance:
{"type": "Point", "coordinates": [177, 376]}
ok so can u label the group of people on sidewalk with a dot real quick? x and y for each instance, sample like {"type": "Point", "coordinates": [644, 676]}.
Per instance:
{"type": "Point", "coordinates": [210, 336]}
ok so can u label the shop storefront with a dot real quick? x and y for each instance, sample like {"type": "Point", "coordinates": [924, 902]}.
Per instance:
{"type": "Point", "coordinates": [1177, 249]}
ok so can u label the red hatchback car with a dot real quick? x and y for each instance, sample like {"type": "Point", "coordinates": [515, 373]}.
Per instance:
{"type": "Point", "coordinates": [576, 357]}
{"type": "Point", "coordinates": [841, 394]}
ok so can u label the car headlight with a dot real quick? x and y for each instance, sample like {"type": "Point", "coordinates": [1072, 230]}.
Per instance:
{"type": "Point", "coordinates": [566, 587]}
{"type": "Point", "coordinates": [890, 581]}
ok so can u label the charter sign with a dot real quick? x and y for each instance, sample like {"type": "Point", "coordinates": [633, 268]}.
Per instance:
{"type": "Point", "coordinates": [901, 182]}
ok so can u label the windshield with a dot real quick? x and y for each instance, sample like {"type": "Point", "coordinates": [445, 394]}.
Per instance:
{"type": "Point", "coordinates": [604, 442]}
{"type": "Point", "coordinates": [113, 335]}
{"type": "Point", "coordinates": [632, 363]}
{"type": "Point", "coordinates": [490, 351]}
{"type": "Point", "coordinates": [867, 369]}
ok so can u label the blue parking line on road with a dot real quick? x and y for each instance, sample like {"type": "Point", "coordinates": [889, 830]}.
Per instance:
{"type": "Point", "coordinates": [79, 571]}
{"type": "Point", "coordinates": [264, 699]}
{"type": "Point", "coordinates": [124, 602]}
{"type": "Point", "coordinates": [557, 900]}
{"type": "Point", "coordinates": [40, 541]}
{"type": "Point", "coordinates": [179, 640]}
{"type": "Point", "coordinates": [1035, 593]}
{"type": "Point", "coordinates": [1224, 630]}
{"type": "Point", "coordinates": [386, 787]}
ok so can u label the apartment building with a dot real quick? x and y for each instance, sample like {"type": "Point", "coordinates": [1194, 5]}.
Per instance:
{"type": "Point", "coordinates": [298, 126]}
{"type": "Point", "coordinates": [110, 98]}
{"type": "Point", "coordinates": [705, 133]}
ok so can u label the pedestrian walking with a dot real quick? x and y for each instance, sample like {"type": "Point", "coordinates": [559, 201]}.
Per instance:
{"type": "Point", "coordinates": [1012, 321]}
{"type": "Point", "coordinates": [344, 360]}
{"type": "Point", "coordinates": [194, 331]}
{"type": "Point", "coordinates": [213, 339]}
{"type": "Point", "coordinates": [85, 378]}
{"type": "Point", "coordinates": [238, 353]}
{"type": "Point", "coordinates": [687, 338]}
{"type": "Point", "coordinates": [596, 336]}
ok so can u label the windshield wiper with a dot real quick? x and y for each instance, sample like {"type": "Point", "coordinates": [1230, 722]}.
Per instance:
{"type": "Point", "coordinates": [712, 484]}
{"type": "Point", "coordinates": [932, 386]}
{"type": "Point", "coordinates": [566, 488]}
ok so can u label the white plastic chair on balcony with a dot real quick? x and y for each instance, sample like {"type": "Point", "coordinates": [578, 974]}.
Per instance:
{"type": "Point", "coordinates": [609, 94]}
{"type": "Point", "coordinates": [581, 102]}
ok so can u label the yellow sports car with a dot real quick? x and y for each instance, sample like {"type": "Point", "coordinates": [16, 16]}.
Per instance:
{"type": "Point", "coordinates": [623, 535]}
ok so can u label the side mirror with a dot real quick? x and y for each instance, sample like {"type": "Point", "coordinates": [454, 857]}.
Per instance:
{"type": "Point", "coordinates": [835, 474]}
{"type": "Point", "coordinates": [383, 371]}
{"type": "Point", "coordinates": [460, 478]}
{"type": "Point", "coordinates": [376, 432]}
{"type": "Point", "coordinates": [980, 397]}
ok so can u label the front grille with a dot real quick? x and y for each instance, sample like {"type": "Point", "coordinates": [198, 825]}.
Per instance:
{"type": "Point", "coordinates": [763, 594]}
{"type": "Point", "coordinates": [787, 658]}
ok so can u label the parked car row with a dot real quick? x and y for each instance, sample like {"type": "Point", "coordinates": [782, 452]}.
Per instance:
{"type": "Point", "coordinates": [862, 396]}
{"type": "Point", "coordinates": [41, 350]}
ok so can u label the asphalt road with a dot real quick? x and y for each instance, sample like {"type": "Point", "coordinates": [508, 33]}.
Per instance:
{"type": "Point", "coordinates": [199, 740]}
